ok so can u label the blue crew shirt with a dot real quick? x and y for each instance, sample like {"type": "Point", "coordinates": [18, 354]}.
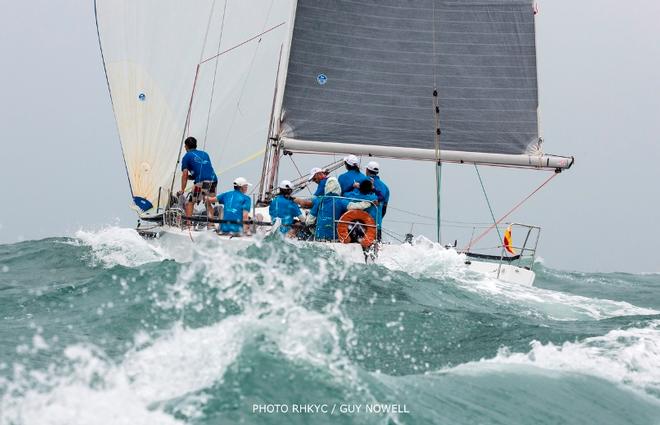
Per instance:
{"type": "Point", "coordinates": [356, 196]}
{"type": "Point", "coordinates": [286, 210]}
{"type": "Point", "coordinates": [235, 202]}
{"type": "Point", "coordinates": [198, 164]}
{"type": "Point", "coordinates": [320, 190]}
{"type": "Point", "coordinates": [349, 178]}
{"type": "Point", "coordinates": [383, 193]}
{"type": "Point", "coordinates": [327, 210]}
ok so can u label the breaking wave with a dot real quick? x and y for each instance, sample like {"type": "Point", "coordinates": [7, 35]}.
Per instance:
{"type": "Point", "coordinates": [109, 329]}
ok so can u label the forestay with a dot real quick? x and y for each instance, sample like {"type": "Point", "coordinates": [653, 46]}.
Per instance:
{"type": "Point", "coordinates": [363, 73]}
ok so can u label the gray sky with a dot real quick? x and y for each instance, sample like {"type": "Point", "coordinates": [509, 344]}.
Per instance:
{"type": "Point", "coordinates": [599, 86]}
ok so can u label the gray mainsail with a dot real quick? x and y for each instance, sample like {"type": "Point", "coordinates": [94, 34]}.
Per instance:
{"type": "Point", "coordinates": [362, 74]}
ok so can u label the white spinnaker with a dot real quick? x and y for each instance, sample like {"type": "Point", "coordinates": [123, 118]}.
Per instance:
{"type": "Point", "coordinates": [151, 49]}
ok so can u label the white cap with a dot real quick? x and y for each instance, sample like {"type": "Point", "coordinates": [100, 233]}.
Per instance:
{"type": "Point", "coordinates": [285, 184]}
{"type": "Point", "coordinates": [240, 181]}
{"type": "Point", "coordinates": [373, 166]}
{"type": "Point", "coordinates": [313, 172]}
{"type": "Point", "coordinates": [352, 160]}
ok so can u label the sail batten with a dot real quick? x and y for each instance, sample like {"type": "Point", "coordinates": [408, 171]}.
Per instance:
{"type": "Point", "coordinates": [365, 73]}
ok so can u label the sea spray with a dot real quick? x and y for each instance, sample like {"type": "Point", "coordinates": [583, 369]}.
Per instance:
{"type": "Point", "coordinates": [108, 329]}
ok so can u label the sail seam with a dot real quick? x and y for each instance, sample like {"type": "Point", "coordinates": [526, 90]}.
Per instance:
{"type": "Point", "coordinates": [413, 31]}
{"type": "Point", "coordinates": [344, 47]}
{"type": "Point", "coordinates": [370, 5]}
{"type": "Point", "coordinates": [396, 40]}
{"type": "Point", "coordinates": [353, 114]}
{"type": "Point", "coordinates": [397, 18]}
{"type": "Point", "coordinates": [412, 85]}
{"type": "Point", "coordinates": [469, 55]}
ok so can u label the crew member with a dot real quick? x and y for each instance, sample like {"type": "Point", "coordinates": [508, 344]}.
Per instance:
{"type": "Point", "coordinates": [352, 178]}
{"type": "Point", "coordinates": [328, 209]}
{"type": "Point", "coordinates": [283, 207]}
{"type": "Point", "coordinates": [381, 190]}
{"type": "Point", "coordinates": [196, 165]}
{"type": "Point", "coordinates": [318, 176]}
{"type": "Point", "coordinates": [366, 193]}
{"type": "Point", "coordinates": [236, 208]}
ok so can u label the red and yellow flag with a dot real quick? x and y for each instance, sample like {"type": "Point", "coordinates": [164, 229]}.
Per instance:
{"type": "Point", "coordinates": [507, 241]}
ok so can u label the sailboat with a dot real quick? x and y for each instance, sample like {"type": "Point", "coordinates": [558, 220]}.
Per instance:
{"type": "Point", "coordinates": [431, 81]}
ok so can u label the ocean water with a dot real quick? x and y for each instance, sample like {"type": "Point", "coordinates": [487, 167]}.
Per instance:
{"type": "Point", "coordinates": [105, 328]}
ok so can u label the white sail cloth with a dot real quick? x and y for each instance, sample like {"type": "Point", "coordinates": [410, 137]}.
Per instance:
{"type": "Point", "coordinates": [151, 51]}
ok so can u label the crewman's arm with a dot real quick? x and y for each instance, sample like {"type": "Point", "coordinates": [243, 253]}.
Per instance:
{"type": "Point", "coordinates": [305, 203]}
{"type": "Point", "coordinates": [246, 227]}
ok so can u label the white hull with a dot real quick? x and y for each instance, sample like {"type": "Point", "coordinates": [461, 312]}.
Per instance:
{"type": "Point", "coordinates": [177, 243]}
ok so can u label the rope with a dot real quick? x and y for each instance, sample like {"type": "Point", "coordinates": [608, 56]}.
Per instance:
{"type": "Point", "coordinates": [490, 208]}
{"type": "Point", "coordinates": [474, 241]}
{"type": "Point", "coordinates": [243, 161]}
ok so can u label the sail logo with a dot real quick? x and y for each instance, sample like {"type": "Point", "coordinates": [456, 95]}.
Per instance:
{"type": "Point", "coordinates": [142, 97]}
{"type": "Point", "coordinates": [322, 79]}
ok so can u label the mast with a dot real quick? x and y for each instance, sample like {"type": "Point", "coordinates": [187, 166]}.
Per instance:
{"type": "Point", "coordinates": [266, 183]}
{"type": "Point", "coordinates": [281, 80]}
{"type": "Point", "coordinates": [270, 168]}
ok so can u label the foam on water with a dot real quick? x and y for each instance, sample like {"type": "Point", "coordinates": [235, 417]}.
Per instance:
{"type": "Point", "coordinates": [179, 363]}
{"type": "Point", "coordinates": [429, 259]}
{"type": "Point", "coordinates": [629, 357]}
{"type": "Point", "coordinates": [262, 297]}
{"type": "Point", "coordinates": [114, 246]}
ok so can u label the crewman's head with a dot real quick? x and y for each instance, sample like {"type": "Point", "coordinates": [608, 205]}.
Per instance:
{"type": "Point", "coordinates": [366, 186]}
{"type": "Point", "coordinates": [190, 143]}
{"type": "Point", "coordinates": [352, 162]}
{"type": "Point", "coordinates": [373, 168]}
{"type": "Point", "coordinates": [241, 184]}
{"type": "Point", "coordinates": [316, 174]}
{"type": "Point", "coordinates": [285, 187]}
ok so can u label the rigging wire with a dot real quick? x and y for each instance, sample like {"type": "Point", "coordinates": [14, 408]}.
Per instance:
{"type": "Point", "coordinates": [215, 74]}
{"type": "Point", "coordinates": [394, 235]}
{"type": "Point", "coordinates": [247, 76]}
{"type": "Point", "coordinates": [206, 34]}
{"type": "Point", "coordinates": [186, 125]}
{"type": "Point", "coordinates": [300, 174]}
{"type": "Point", "coordinates": [389, 207]}
{"type": "Point", "coordinates": [474, 241]}
{"type": "Point", "coordinates": [201, 56]}
{"type": "Point", "coordinates": [490, 208]}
